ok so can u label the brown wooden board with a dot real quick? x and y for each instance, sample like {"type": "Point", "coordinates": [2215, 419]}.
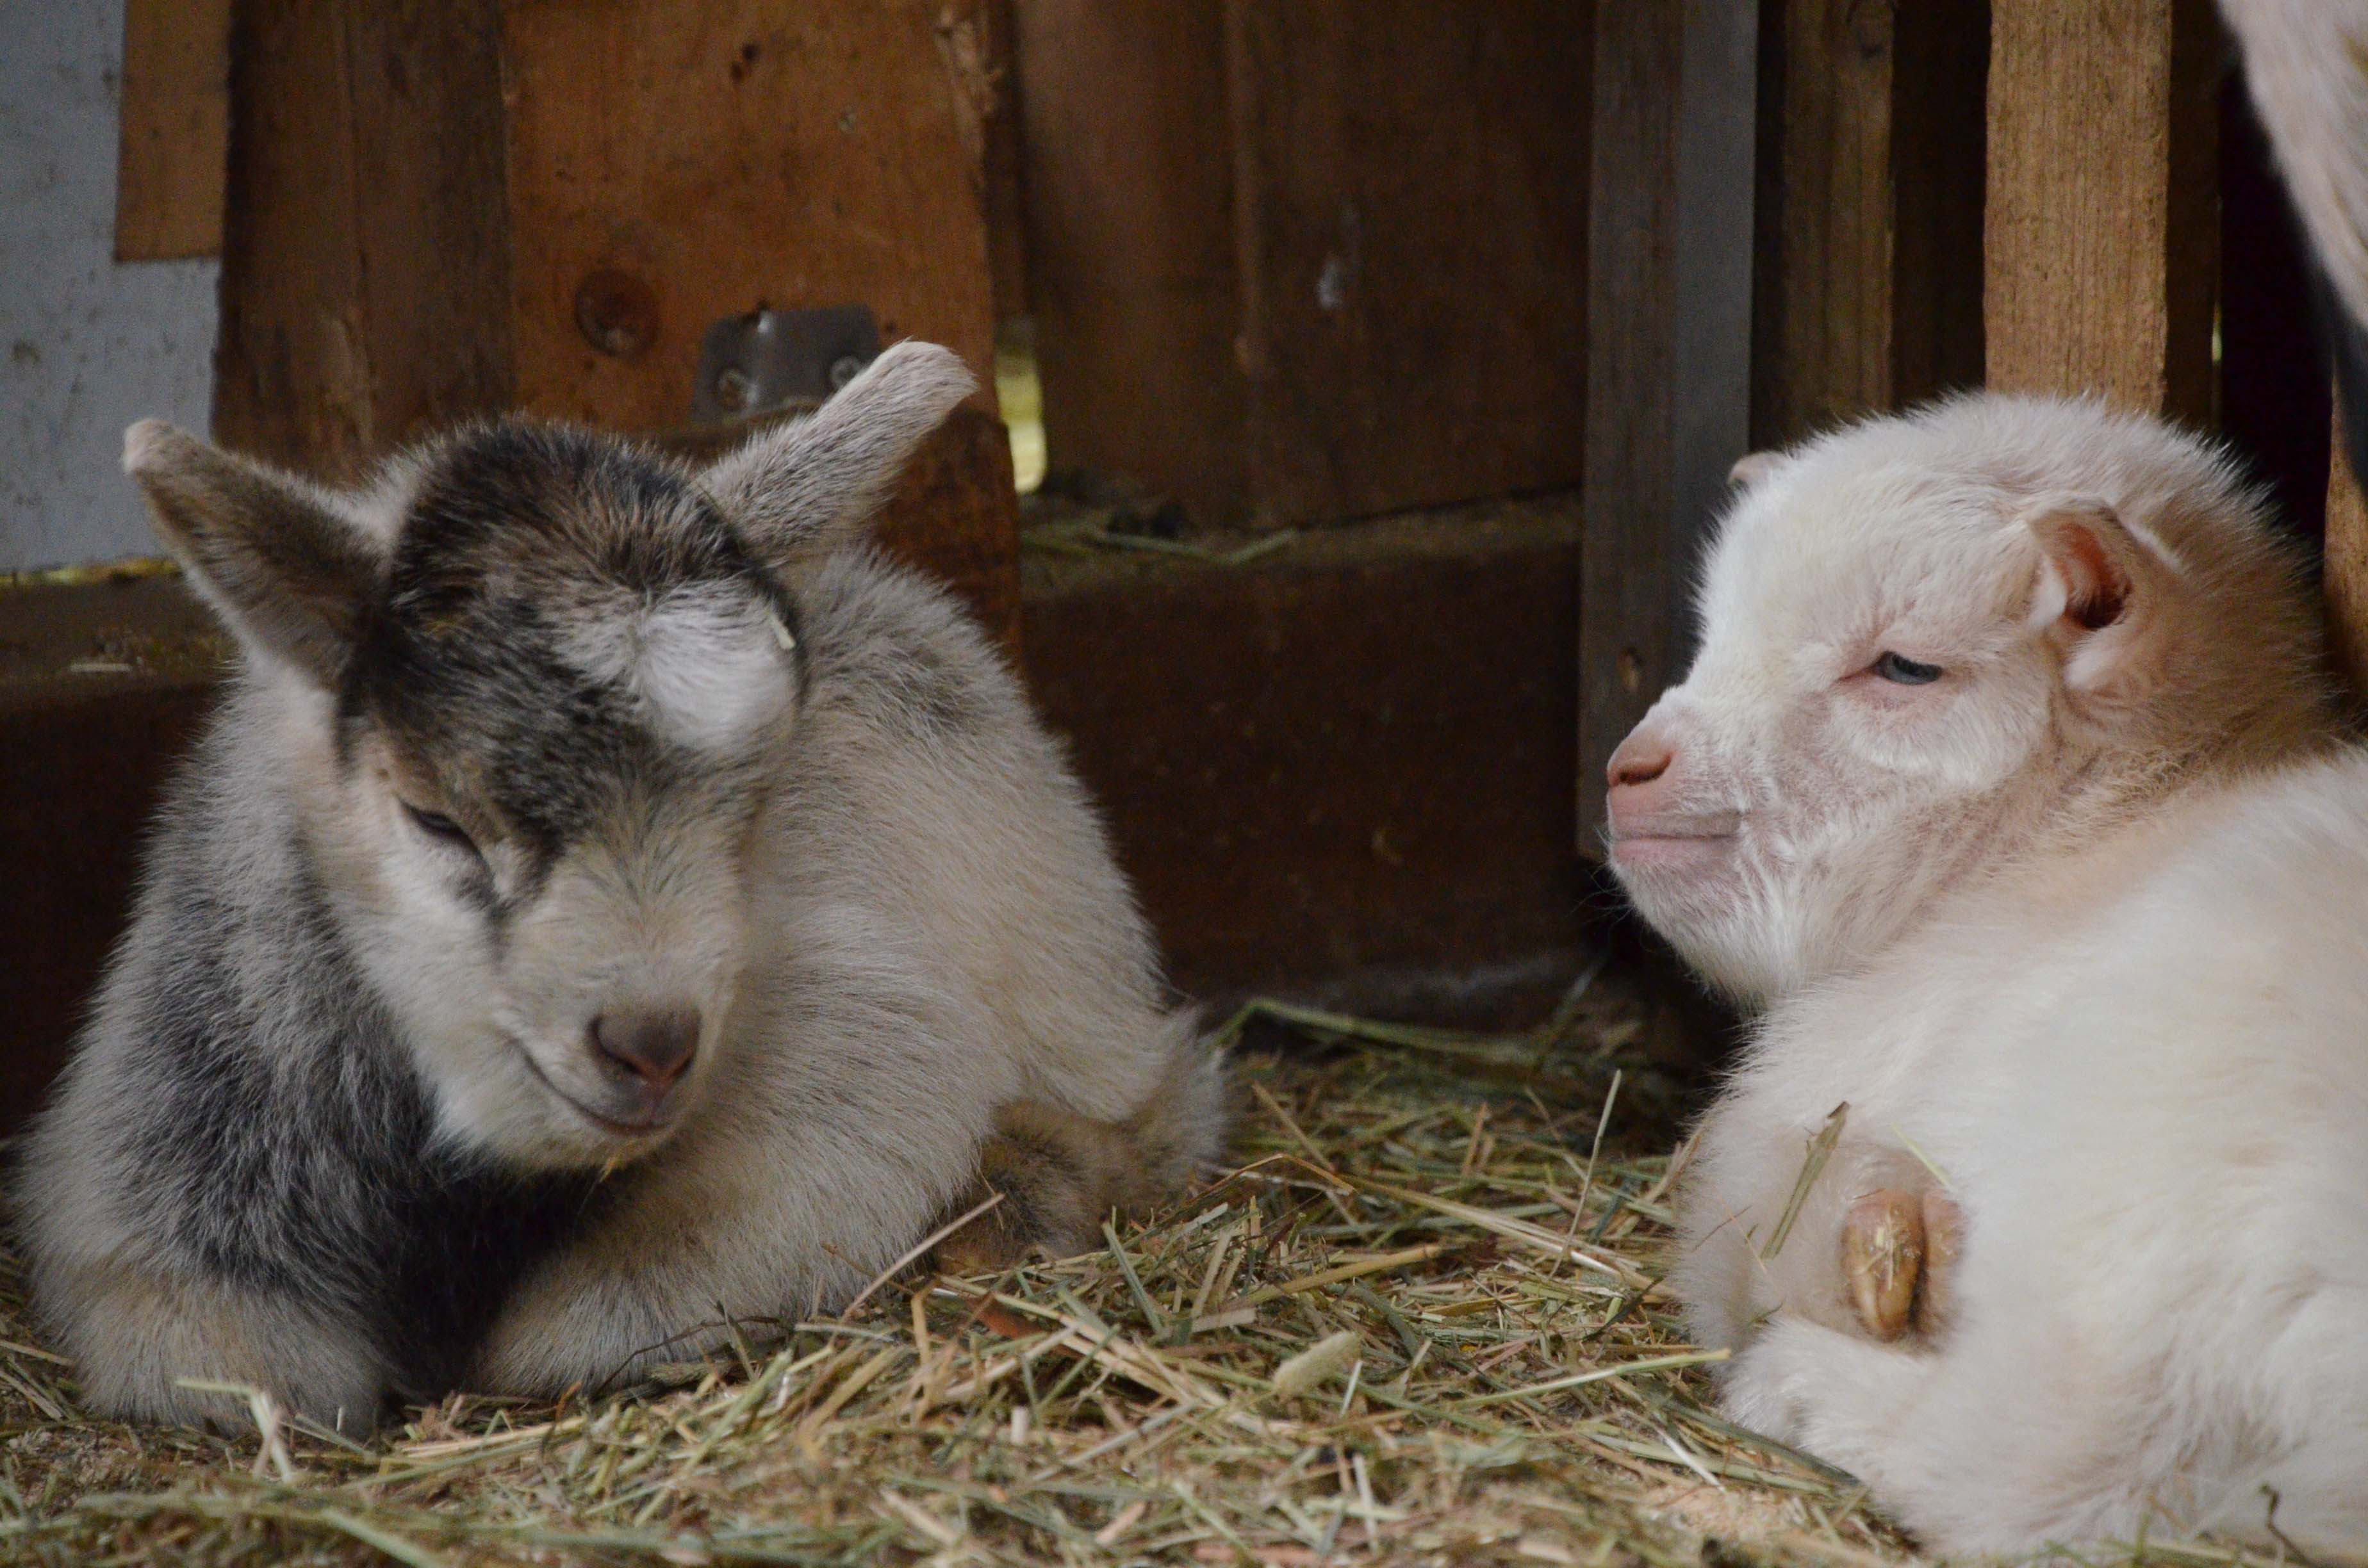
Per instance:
{"type": "Point", "coordinates": [1868, 292]}
{"type": "Point", "coordinates": [176, 129]}
{"type": "Point", "coordinates": [2346, 576]}
{"type": "Point", "coordinates": [728, 155]}
{"type": "Point", "coordinates": [1668, 346]}
{"type": "Point", "coordinates": [102, 686]}
{"type": "Point", "coordinates": [1132, 272]}
{"type": "Point", "coordinates": [366, 262]}
{"type": "Point", "coordinates": [2102, 239]}
{"type": "Point", "coordinates": [446, 209]}
{"type": "Point", "coordinates": [1411, 200]}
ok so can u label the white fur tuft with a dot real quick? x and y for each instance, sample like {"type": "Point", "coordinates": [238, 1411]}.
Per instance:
{"type": "Point", "coordinates": [711, 668]}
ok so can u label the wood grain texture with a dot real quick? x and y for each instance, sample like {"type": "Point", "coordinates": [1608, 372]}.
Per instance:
{"type": "Point", "coordinates": [1411, 209]}
{"type": "Point", "coordinates": [2102, 247]}
{"type": "Point", "coordinates": [1668, 346]}
{"type": "Point", "coordinates": [420, 188]}
{"type": "Point", "coordinates": [730, 155]}
{"type": "Point", "coordinates": [2346, 567]}
{"type": "Point", "coordinates": [1868, 294]}
{"type": "Point", "coordinates": [365, 267]}
{"type": "Point", "coordinates": [171, 161]}
{"type": "Point", "coordinates": [1132, 269]}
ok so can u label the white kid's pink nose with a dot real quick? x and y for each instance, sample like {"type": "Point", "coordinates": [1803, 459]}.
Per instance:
{"type": "Point", "coordinates": [1640, 775]}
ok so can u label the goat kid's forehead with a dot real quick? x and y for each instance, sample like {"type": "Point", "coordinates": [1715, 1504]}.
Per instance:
{"type": "Point", "coordinates": [562, 613]}
{"type": "Point", "coordinates": [1814, 566]}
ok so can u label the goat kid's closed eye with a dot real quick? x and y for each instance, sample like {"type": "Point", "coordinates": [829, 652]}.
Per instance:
{"type": "Point", "coordinates": [441, 829]}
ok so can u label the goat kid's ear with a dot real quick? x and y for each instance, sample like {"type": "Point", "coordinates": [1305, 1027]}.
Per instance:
{"type": "Point", "coordinates": [798, 491]}
{"type": "Point", "coordinates": [2101, 596]}
{"type": "Point", "coordinates": [1752, 467]}
{"type": "Point", "coordinates": [287, 571]}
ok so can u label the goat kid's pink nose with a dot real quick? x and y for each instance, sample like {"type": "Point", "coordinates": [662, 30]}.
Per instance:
{"type": "Point", "coordinates": [653, 1044]}
{"type": "Point", "coordinates": [1640, 759]}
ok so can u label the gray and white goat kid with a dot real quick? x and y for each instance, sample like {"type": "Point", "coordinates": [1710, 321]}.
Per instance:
{"type": "Point", "coordinates": [608, 895]}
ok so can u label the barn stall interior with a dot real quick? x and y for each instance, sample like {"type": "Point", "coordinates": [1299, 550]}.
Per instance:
{"type": "Point", "coordinates": [1357, 383]}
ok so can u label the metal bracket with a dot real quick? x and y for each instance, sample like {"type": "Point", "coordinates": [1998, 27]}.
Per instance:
{"type": "Point", "coordinates": [770, 359]}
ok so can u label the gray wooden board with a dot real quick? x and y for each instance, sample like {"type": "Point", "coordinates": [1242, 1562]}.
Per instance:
{"type": "Point", "coordinates": [1669, 345]}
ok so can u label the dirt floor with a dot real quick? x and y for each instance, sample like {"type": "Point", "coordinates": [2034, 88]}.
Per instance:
{"type": "Point", "coordinates": [1421, 1324]}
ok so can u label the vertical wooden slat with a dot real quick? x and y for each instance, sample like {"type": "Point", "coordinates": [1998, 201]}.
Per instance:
{"type": "Point", "coordinates": [1131, 266]}
{"type": "Point", "coordinates": [365, 268]}
{"type": "Point", "coordinates": [2346, 567]}
{"type": "Point", "coordinates": [1668, 344]}
{"type": "Point", "coordinates": [2102, 234]}
{"type": "Point", "coordinates": [176, 129]}
{"type": "Point", "coordinates": [1411, 199]}
{"type": "Point", "coordinates": [1868, 294]}
{"type": "Point", "coordinates": [291, 377]}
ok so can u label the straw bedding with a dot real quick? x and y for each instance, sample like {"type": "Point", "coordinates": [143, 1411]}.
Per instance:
{"type": "Point", "coordinates": [1421, 1324]}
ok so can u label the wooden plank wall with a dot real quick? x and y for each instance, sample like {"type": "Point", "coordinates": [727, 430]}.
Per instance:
{"type": "Point", "coordinates": [1132, 274]}
{"type": "Point", "coordinates": [1668, 350]}
{"type": "Point", "coordinates": [175, 129]}
{"type": "Point", "coordinates": [1868, 295]}
{"type": "Point", "coordinates": [1410, 201]}
{"type": "Point", "coordinates": [1303, 261]}
{"type": "Point", "coordinates": [2101, 236]}
{"type": "Point", "coordinates": [443, 209]}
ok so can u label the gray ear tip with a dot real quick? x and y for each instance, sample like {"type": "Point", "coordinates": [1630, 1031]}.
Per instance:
{"type": "Point", "coordinates": [930, 371]}
{"type": "Point", "coordinates": [150, 443]}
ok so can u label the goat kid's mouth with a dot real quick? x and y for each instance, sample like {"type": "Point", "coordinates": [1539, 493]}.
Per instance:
{"type": "Point", "coordinates": [1675, 843]}
{"type": "Point", "coordinates": [657, 1118]}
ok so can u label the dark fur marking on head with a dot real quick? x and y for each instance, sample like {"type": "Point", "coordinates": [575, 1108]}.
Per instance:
{"type": "Point", "coordinates": [464, 663]}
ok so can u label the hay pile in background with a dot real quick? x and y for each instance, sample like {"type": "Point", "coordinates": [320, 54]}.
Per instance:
{"type": "Point", "coordinates": [1421, 1324]}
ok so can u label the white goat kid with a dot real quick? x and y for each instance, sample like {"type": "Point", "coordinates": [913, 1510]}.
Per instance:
{"type": "Point", "coordinates": [2006, 781]}
{"type": "Point", "coordinates": [610, 896]}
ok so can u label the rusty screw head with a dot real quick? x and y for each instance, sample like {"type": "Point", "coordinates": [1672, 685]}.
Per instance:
{"type": "Point", "coordinates": [617, 314]}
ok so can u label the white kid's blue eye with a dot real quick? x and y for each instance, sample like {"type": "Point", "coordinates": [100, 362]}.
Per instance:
{"type": "Point", "coordinates": [1905, 672]}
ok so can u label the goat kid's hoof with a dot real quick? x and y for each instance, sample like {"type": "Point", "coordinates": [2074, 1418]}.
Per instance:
{"type": "Point", "coordinates": [1899, 1254]}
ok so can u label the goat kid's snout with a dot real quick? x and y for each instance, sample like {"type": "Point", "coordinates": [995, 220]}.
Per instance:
{"type": "Point", "coordinates": [646, 1046]}
{"type": "Point", "coordinates": [1654, 801]}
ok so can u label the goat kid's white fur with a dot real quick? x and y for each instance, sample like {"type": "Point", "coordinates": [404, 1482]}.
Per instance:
{"type": "Point", "coordinates": [2080, 928]}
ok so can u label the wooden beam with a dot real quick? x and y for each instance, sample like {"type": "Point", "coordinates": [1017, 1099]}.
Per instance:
{"type": "Point", "coordinates": [175, 115]}
{"type": "Point", "coordinates": [1410, 200]}
{"type": "Point", "coordinates": [1669, 345]}
{"type": "Point", "coordinates": [366, 259]}
{"type": "Point", "coordinates": [2102, 243]}
{"type": "Point", "coordinates": [1868, 295]}
{"type": "Point", "coordinates": [1341, 771]}
{"type": "Point", "coordinates": [1351, 757]}
{"type": "Point", "coordinates": [1131, 269]}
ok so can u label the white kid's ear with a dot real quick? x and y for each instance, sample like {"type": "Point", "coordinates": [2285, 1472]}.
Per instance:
{"type": "Point", "coordinates": [1752, 467]}
{"type": "Point", "coordinates": [2102, 596]}
{"type": "Point", "coordinates": [287, 571]}
{"type": "Point", "coordinates": [806, 485]}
